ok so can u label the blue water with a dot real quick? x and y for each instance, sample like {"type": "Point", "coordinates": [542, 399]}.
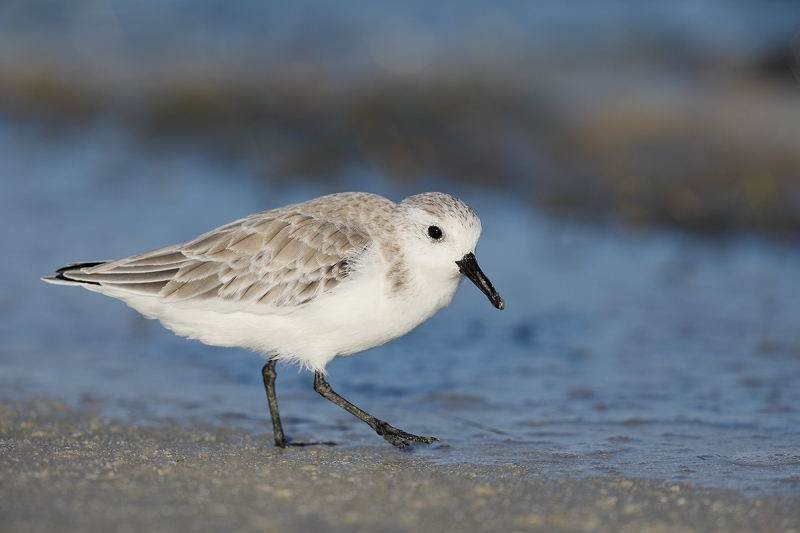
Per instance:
{"type": "Point", "coordinates": [176, 37]}
{"type": "Point", "coordinates": [620, 352]}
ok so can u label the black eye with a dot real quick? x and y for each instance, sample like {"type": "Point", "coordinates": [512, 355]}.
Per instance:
{"type": "Point", "coordinates": [435, 232]}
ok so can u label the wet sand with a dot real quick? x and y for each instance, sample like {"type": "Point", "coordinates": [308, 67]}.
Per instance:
{"type": "Point", "coordinates": [67, 470]}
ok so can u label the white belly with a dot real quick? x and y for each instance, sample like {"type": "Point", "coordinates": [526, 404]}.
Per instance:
{"type": "Point", "coordinates": [358, 315]}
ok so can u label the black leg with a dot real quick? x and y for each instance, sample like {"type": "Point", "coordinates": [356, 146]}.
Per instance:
{"type": "Point", "coordinates": [269, 374]}
{"type": "Point", "coordinates": [399, 438]}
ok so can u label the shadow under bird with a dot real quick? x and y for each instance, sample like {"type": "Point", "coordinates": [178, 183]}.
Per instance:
{"type": "Point", "coordinates": [306, 283]}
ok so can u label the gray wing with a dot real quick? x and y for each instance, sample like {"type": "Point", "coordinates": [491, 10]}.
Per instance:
{"type": "Point", "coordinates": [272, 259]}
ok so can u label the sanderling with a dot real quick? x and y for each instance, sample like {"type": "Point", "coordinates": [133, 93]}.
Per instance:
{"type": "Point", "coordinates": [306, 283]}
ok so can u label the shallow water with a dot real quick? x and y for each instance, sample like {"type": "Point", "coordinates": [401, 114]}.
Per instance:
{"type": "Point", "coordinates": [645, 354]}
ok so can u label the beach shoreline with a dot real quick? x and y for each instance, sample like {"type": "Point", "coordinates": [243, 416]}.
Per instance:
{"type": "Point", "coordinates": [65, 469]}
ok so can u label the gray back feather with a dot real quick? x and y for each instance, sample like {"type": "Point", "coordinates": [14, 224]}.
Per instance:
{"type": "Point", "coordinates": [279, 258]}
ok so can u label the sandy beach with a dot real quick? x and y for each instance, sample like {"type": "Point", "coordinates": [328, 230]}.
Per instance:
{"type": "Point", "coordinates": [66, 470]}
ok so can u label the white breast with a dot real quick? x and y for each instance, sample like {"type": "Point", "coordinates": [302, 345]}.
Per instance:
{"type": "Point", "coordinates": [362, 313]}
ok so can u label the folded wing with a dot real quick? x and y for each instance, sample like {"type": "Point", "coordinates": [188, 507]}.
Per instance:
{"type": "Point", "coordinates": [266, 261]}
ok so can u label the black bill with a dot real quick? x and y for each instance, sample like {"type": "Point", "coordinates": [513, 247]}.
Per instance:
{"type": "Point", "coordinates": [468, 266]}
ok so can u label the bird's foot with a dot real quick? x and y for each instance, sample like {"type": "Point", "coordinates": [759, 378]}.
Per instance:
{"type": "Point", "coordinates": [400, 438]}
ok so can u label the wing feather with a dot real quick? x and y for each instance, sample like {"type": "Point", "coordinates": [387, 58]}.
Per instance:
{"type": "Point", "coordinates": [276, 259]}
{"type": "Point", "coordinates": [127, 277]}
{"type": "Point", "coordinates": [157, 259]}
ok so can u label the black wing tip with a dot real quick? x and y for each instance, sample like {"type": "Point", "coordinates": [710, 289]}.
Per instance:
{"type": "Point", "coordinates": [75, 266]}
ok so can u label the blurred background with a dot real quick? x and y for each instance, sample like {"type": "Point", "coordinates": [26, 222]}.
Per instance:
{"type": "Point", "coordinates": [636, 166]}
{"type": "Point", "coordinates": [656, 113]}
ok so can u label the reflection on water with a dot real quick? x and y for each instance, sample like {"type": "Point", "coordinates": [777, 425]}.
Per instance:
{"type": "Point", "coordinates": [619, 353]}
